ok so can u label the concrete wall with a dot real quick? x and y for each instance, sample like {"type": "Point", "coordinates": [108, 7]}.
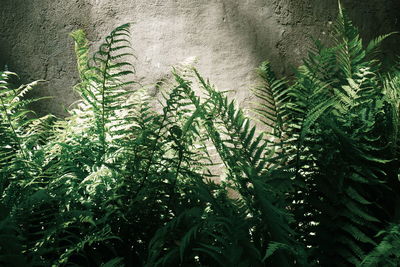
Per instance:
{"type": "Point", "coordinates": [229, 37]}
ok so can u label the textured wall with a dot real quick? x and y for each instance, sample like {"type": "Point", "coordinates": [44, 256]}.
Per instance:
{"type": "Point", "coordinates": [230, 38]}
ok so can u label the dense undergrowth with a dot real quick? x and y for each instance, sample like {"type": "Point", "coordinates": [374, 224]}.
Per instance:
{"type": "Point", "coordinates": [118, 183]}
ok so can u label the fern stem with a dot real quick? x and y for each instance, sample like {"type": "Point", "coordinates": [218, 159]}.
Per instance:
{"type": "Point", "coordinates": [103, 103]}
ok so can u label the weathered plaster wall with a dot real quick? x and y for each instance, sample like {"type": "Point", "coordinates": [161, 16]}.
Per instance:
{"type": "Point", "coordinates": [229, 37]}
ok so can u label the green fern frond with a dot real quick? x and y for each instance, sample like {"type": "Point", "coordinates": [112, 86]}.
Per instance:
{"type": "Point", "coordinates": [387, 251]}
{"type": "Point", "coordinates": [273, 93]}
{"type": "Point", "coordinates": [350, 52]}
{"type": "Point", "coordinates": [374, 44]}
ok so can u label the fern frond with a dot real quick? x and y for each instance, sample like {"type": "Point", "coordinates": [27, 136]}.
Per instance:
{"type": "Point", "coordinates": [350, 52]}
{"type": "Point", "coordinates": [273, 93]}
{"type": "Point", "coordinates": [374, 44]}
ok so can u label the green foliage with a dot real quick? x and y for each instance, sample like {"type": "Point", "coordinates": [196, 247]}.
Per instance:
{"type": "Point", "coordinates": [338, 146]}
{"type": "Point", "coordinates": [387, 252]}
{"type": "Point", "coordinates": [120, 183]}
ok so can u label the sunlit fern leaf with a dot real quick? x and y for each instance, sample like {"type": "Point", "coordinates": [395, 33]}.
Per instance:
{"type": "Point", "coordinates": [350, 52]}
{"type": "Point", "coordinates": [104, 80]}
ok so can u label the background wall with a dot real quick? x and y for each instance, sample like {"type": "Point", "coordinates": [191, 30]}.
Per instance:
{"type": "Point", "coordinates": [229, 37]}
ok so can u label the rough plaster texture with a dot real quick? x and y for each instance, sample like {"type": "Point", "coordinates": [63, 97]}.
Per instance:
{"type": "Point", "coordinates": [229, 37]}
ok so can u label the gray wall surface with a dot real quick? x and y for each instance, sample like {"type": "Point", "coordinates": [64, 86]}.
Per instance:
{"type": "Point", "coordinates": [229, 37]}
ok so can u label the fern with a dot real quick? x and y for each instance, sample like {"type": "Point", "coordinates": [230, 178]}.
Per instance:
{"type": "Point", "coordinates": [102, 86]}
{"type": "Point", "coordinates": [333, 143]}
{"type": "Point", "coordinates": [194, 183]}
{"type": "Point", "coordinates": [387, 251]}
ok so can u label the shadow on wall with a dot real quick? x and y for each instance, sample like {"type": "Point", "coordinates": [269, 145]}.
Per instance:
{"type": "Point", "coordinates": [305, 20]}
{"type": "Point", "coordinates": [3, 64]}
{"type": "Point", "coordinates": [34, 43]}
{"type": "Point", "coordinates": [374, 18]}
{"type": "Point", "coordinates": [231, 38]}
